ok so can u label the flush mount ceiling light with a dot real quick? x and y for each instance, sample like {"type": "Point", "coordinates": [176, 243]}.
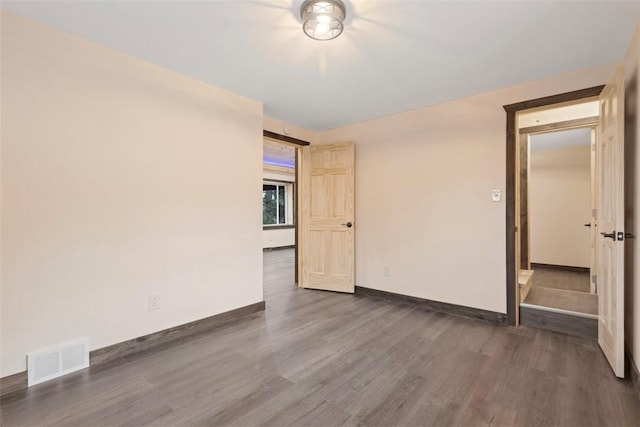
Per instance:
{"type": "Point", "coordinates": [322, 19]}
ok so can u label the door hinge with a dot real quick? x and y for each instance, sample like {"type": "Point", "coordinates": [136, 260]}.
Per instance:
{"type": "Point", "coordinates": [594, 212]}
{"type": "Point", "coordinates": [594, 279]}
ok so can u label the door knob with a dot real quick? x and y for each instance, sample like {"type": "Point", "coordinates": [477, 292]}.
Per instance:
{"type": "Point", "coordinates": [611, 235]}
{"type": "Point", "coordinates": [348, 224]}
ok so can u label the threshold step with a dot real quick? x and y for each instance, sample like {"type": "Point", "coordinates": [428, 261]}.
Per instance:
{"type": "Point", "coordinates": [576, 324]}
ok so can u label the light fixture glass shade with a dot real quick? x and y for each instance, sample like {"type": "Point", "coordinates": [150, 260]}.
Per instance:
{"type": "Point", "coordinates": [322, 19]}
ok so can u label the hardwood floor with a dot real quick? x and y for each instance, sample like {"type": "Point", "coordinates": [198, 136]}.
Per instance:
{"type": "Point", "coordinates": [545, 277]}
{"type": "Point", "coordinates": [328, 359]}
{"type": "Point", "coordinates": [566, 290]}
{"type": "Point", "coordinates": [579, 302]}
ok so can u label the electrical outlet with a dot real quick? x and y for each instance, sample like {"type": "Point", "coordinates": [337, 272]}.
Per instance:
{"type": "Point", "coordinates": [154, 302]}
{"type": "Point", "coordinates": [496, 195]}
{"type": "Point", "coordinates": [386, 272]}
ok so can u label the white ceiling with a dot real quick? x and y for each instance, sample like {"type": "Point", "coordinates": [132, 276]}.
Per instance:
{"type": "Point", "coordinates": [560, 139]}
{"type": "Point", "coordinates": [278, 154]}
{"type": "Point", "coordinates": [393, 56]}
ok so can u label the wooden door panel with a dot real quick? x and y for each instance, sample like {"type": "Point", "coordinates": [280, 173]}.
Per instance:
{"type": "Point", "coordinates": [339, 189]}
{"type": "Point", "coordinates": [319, 197]}
{"type": "Point", "coordinates": [327, 243]}
{"type": "Point", "coordinates": [339, 243]}
{"type": "Point", "coordinates": [317, 242]}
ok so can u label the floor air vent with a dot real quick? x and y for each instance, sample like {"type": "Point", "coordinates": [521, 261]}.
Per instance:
{"type": "Point", "coordinates": [52, 363]}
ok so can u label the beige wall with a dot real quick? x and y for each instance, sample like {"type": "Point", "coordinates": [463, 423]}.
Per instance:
{"type": "Point", "coordinates": [560, 205]}
{"type": "Point", "coordinates": [278, 238]}
{"type": "Point", "coordinates": [423, 194]}
{"type": "Point", "coordinates": [632, 197]}
{"type": "Point", "coordinates": [120, 179]}
{"type": "Point", "coordinates": [280, 174]}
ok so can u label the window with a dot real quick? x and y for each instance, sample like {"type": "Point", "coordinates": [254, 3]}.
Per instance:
{"type": "Point", "coordinates": [275, 203]}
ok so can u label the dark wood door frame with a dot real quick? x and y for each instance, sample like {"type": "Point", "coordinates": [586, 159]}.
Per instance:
{"type": "Point", "coordinates": [510, 188]}
{"type": "Point", "coordinates": [296, 187]}
{"type": "Point", "coordinates": [284, 138]}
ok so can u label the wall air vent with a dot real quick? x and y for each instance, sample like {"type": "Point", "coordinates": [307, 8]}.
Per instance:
{"type": "Point", "coordinates": [52, 363]}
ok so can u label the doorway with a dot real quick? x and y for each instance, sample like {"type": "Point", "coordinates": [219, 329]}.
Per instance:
{"type": "Point", "coordinates": [556, 147]}
{"type": "Point", "coordinates": [512, 188]}
{"type": "Point", "coordinates": [310, 191]}
{"type": "Point", "coordinates": [556, 200]}
{"type": "Point", "coordinates": [281, 154]}
{"type": "Point", "coordinates": [608, 217]}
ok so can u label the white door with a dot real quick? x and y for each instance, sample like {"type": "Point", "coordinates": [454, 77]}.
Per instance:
{"type": "Point", "coordinates": [593, 220]}
{"type": "Point", "coordinates": [610, 170]}
{"type": "Point", "coordinates": [326, 226]}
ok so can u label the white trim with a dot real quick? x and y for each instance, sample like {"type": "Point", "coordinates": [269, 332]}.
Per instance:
{"type": "Point", "coordinates": [559, 310]}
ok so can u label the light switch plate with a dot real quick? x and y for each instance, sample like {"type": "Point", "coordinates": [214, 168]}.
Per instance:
{"type": "Point", "coordinates": [496, 195]}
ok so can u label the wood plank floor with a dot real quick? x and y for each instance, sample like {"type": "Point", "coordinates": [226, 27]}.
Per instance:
{"type": "Point", "coordinates": [560, 279]}
{"type": "Point", "coordinates": [327, 359]}
{"type": "Point", "coordinates": [579, 302]}
{"type": "Point", "coordinates": [566, 290]}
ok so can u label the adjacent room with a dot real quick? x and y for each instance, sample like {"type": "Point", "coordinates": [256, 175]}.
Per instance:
{"type": "Point", "coordinates": [279, 215]}
{"type": "Point", "coordinates": [278, 195]}
{"type": "Point", "coordinates": [319, 212]}
{"type": "Point", "coordinates": [558, 229]}
{"type": "Point", "coordinates": [560, 181]}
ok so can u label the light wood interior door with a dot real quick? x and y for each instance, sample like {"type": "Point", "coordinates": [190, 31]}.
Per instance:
{"type": "Point", "coordinates": [326, 224]}
{"type": "Point", "coordinates": [610, 213]}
